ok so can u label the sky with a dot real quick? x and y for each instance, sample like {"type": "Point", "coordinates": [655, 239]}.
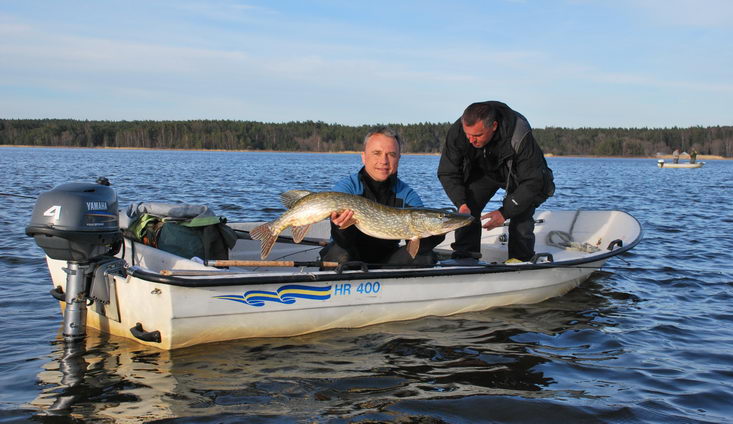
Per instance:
{"type": "Point", "coordinates": [561, 63]}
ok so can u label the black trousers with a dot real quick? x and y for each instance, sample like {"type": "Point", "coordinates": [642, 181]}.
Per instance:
{"type": "Point", "coordinates": [468, 238]}
{"type": "Point", "coordinates": [399, 256]}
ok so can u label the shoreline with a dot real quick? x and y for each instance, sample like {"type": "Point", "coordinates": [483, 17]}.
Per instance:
{"type": "Point", "coordinates": [547, 155]}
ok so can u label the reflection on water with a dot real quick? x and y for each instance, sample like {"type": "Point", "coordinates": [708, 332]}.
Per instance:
{"type": "Point", "coordinates": [340, 373]}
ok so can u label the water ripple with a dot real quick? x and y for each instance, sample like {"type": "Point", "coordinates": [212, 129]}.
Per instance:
{"type": "Point", "coordinates": [646, 340]}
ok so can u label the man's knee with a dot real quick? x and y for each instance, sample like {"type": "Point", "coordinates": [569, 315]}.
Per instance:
{"type": "Point", "coordinates": [333, 252]}
{"type": "Point", "coordinates": [402, 257]}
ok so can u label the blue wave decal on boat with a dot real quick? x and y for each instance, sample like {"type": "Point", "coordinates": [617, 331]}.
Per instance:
{"type": "Point", "coordinates": [285, 294]}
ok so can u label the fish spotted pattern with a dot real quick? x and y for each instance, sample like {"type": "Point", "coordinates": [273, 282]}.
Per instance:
{"type": "Point", "coordinates": [372, 218]}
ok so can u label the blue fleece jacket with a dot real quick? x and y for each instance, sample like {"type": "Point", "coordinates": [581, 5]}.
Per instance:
{"type": "Point", "coordinates": [353, 185]}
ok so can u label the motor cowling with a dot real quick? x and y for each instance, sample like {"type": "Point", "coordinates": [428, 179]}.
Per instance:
{"type": "Point", "coordinates": [76, 222]}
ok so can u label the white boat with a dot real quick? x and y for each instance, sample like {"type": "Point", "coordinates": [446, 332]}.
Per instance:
{"type": "Point", "coordinates": [662, 164]}
{"type": "Point", "coordinates": [167, 301]}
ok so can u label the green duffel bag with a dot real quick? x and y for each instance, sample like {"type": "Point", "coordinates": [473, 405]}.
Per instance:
{"type": "Point", "coordinates": [205, 237]}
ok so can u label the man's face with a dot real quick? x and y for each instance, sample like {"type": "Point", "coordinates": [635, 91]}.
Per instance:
{"type": "Point", "coordinates": [478, 134]}
{"type": "Point", "coordinates": [381, 157]}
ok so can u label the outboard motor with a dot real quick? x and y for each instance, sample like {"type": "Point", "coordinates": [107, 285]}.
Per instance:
{"type": "Point", "coordinates": [77, 223]}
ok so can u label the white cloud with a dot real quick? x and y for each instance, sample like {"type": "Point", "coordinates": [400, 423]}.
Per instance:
{"type": "Point", "coordinates": [694, 13]}
{"type": "Point", "coordinates": [224, 10]}
{"type": "Point", "coordinates": [32, 48]}
{"type": "Point", "coordinates": [245, 62]}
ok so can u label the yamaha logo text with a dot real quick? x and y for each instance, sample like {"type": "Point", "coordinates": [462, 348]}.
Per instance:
{"type": "Point", "coordinates": [96, 206]}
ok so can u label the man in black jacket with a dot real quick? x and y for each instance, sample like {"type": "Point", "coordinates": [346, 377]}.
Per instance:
{"type": "Point", "coordinates": [490, 147]}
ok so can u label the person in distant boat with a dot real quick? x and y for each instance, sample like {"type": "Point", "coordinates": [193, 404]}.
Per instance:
{"type": "Point", "coordinates": [377, 180]}
{"type": "Point", "coordinates": [676, 156]}
{"type": "Point", "coordinates": [489, 147]}
{"type": "Point", "coordinates": [693, 156]}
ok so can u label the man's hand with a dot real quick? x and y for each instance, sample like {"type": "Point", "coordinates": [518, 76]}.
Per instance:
{"type": "Point", "coordinates": [495, 219]}
{"type": "Point", "coordinates": [343, 219]}
{"type": "Point", "coordinates": [464, 209]}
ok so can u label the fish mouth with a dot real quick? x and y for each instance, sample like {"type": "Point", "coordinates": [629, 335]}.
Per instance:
{"type": "Point", "coordinates": [457, 220]}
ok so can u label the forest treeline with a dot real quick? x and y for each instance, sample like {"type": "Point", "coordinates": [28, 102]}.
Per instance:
{"type": "Point", "coordinates": [313, 136]}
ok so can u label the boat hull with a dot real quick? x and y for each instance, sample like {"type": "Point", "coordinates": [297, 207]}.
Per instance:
{"type": "Point", "coordinates": [680, 165]}
{"type": "Point", "coordinates": [187, 316]}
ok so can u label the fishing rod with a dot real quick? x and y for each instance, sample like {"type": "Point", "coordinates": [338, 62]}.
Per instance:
{"type": "Point", "coordinates": [244, 234]}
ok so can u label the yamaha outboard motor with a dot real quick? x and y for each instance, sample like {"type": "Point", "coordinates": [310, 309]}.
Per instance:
{"type": "Point", "coordinates": [77, 223]}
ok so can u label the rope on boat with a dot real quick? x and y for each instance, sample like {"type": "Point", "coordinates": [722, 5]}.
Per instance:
{"type": "Point", "coordinates": [564, 240]}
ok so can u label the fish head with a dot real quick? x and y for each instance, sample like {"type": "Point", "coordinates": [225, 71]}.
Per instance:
{"type": "Point", "coordinates": [454, 221]}
{"type": "Point", "coordinates": [437, 221]}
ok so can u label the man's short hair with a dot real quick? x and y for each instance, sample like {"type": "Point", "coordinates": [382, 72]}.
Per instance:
{"type": "Point", "coordinates": [387, 131]}
{"type": "Point", "coordinates": [480, 111]}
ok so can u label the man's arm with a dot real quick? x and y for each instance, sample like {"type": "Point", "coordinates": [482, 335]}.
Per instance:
{"type": "Point", "coordinates": [344, 219]}
{"type": "Point", "coordinates": [528, 176]}
{"type": "Point", "coordinates": [450, 168]}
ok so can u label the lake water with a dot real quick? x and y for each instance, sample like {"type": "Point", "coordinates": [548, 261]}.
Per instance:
{"type": "Point", "coordinates": [648, 339]}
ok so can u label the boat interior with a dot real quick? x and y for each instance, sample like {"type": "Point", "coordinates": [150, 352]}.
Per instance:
{"type": "Point", "coordinates": [561, 237]}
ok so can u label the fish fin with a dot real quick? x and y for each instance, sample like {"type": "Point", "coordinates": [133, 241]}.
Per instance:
{"type": "Point", "coordinates": [291, 196]}
{"type": "Point", "coordinates": [413, 246]}
{"type": "Point", "coordinates": [300, 232]}
{"type": "Point", "coordinates": [266, 237]}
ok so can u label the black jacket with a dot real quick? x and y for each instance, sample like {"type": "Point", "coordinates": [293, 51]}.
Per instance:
{"type": "Point", "coordinates": [461, 163]}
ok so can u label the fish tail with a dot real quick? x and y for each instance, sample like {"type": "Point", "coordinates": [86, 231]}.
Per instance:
{"type": "Point", "coordinates": [264, 234]}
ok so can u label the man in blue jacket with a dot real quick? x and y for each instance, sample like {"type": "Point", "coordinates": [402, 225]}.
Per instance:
{"type": "Point", "coordinates": [376, 181]}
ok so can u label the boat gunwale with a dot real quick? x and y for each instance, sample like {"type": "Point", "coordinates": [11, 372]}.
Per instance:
{"type": "Point", "coordinates": [244, 280]}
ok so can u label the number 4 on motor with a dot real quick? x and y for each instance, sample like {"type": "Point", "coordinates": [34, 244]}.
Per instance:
{"type": "Point", "coordinates": [54, 211]}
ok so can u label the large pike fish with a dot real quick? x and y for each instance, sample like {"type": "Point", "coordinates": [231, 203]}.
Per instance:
{"type": "Point", "coordinates": [372, 218]}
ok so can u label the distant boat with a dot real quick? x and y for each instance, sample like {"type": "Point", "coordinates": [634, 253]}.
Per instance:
{"type": "Point", "coordinates": [662, 164]}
